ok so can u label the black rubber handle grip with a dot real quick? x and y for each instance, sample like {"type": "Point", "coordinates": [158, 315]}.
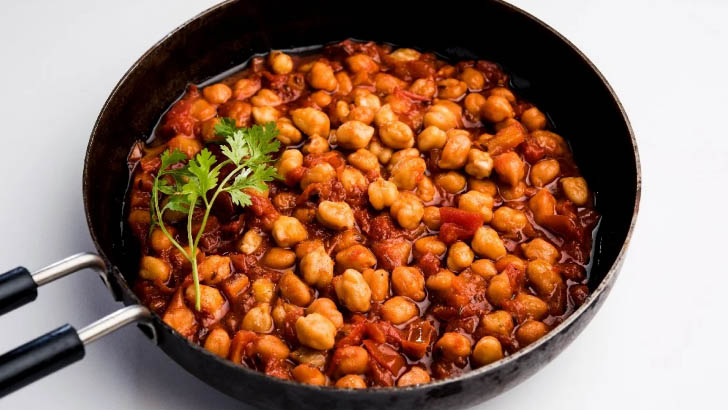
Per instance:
{"type": "Point", "coordinates": [17, 288]}
{"type": "Point", "coordinates": [39, 358]}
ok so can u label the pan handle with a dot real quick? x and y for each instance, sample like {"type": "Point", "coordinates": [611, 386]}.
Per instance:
{"type": "Point", "coordinates": [18, 286]}
{"type": "Point", "coordinates": [61, 347]}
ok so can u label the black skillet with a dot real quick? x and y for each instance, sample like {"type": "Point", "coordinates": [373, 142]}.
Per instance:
{"type": "Point", "coordinates": [546, 69]}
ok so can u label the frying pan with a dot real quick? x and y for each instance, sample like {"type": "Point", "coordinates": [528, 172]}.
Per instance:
{"type": "Point", "coordinates": [545, 68]}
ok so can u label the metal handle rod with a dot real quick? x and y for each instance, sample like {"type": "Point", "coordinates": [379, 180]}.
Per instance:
{"type": "Point", "coordinates": [69, 265]}
{"type": "Point", "coordinates": [116, 321]}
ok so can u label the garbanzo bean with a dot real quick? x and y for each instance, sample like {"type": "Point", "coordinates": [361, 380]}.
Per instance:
{"type": "Point", "coordinates": [401, 155]}
{"type": "Point", "coordinates": [217, 93]}
{"type": "Point", "coordinates": [354, 135]}
{"type": "Point", "coordinates": [533, 119]}
{"type": "Point", "coordinates": [294, 289]}
{"type": "Point", "coordinates": [327, 308]}
{"type": "Point", "coordinates": [355, 257]}
{"type": "Point", "coordinates": [484, 267]}
{"type": "Point", "coordinates": [543, 277]}
{"type": "Point", "coordinates": [534, 307]}
{"type": "Point", "coordinates": [455, 153]}
{"type": "Point", "coordinates": [305, 373]}
{"type": "Point", "coordinates": [479, 164]}
{"type": "Point", "coordinates": [288, 231]}
{"type": "Point", "coordinates": [497, 109]}
{"type": "Point", "coordinates": [487, 350]}
{"type": "Point", "coordinates": [159, 241]}
{"type": "Point", "coordinates": [214, 269]}
{"type": "Point", "coordinates": [311, 121]}
{"type": "Point", "coordinates": [507, 219]}
{"type": "Point", "coordinates": [218, 342]}
{"type": "Point", "coordinates": [425, 87]}
{"type": "Point", "coordinates": [363, 160]}
{"type": "Point", "coordinates": [387, 83]}
{"type": "Point", "coordinates": [407, 172]}
{"type": "Point", "coordinates": [335, 215]}
{"type": "Point", "coordinates": [431, 217]}
{"type": "Point", "coordinates": [351, 360]}
{"type": "Point", "coordinates": [530, 331]}
{"type": "Point", "coordinates": [478, 202]}
{"type": "Point", "coordinates": [545, 171]}
{"type": "Point", "coordinates": [382, 193]}
{"type": "Point", "coordinates": [378, 281]}
{"type": "Point", "coordinates": [510, 168]}
{"type": "Point", "coordinates": [316, 145]}
{"type": "Point", "coordinates": [287, 133]}
{"type": "Point", "coordinates": [250, 242]}
{"type": "Point", "coordinates": [498, 324]}
{"type": "Point", "coordinates": [474, 104]}
{"type": "Point", "coordinates": [487, 243]}
{"type": "Point", "coordinates": [265, 114]}
{"type": "Point", "coordinates": [453, 345]}
{"type": "Point", "coordinates": [399, 310]}
{"type": "Point", "coordinates": [345, 85]}
{"type": "Point", "coordinates": [263, 290]}
{"type": "Point", "coordinates": [541, 249]}
{"type": "Point", "coordinates": [575, 189]}
{"type": "Point", "coordinates": [317, 268]}
{"type": "Point", "coordinates": [352, 179]}
{"type": "Point", "coordinates": [245, 87]}
{"type": "Point", "coordinates": [459, 257]}
{"type": "Point", "coordinates": [440, 116]}
{"type": "Point", "coordinates": [451, 88]}
{"type": "Point", "coordinates": [430, 244]}
{"type": "Point", "coordinates": [277, 258]}
{"type": "Point", "coordinates": [271, 347]}
{"type": "Point", "coordinates": [396, 135]}
{"type": "Point", "coordinates": [499, 289]}
{"type": "Point", "coordinates": [430, 138]}
{"type": "Point", "coordinates": [510, 259]}
{"type": "Point", "coordinates": [383, 153]}
{"type": "Point", "coordinates": [473, 78]}
{"type": "Point", "coordinates": [266, 98]}
{"type": "Point", "coordinates": [280, 62]}
{"type": "Point", "coordinates": [416, 375]}
{"type": "Point", "coordinates": [351, 381]}
{"type": "Point", "coordinates": [321, 76]}
{"type": "Point", "coordinates": [187, 145]}
{"type": "Point", "coordinates": [353, 291]}
{"type": "Point", "coordinates": [451, 181]}
{"type": "Point", "coordinates": [426, 190]}
{"type": "Point", "coordinates": [258, 319]}
{"type": "Point", "coordinates": [290, 160]}
{"type": "Point", "coordinates": [408, 210]}
{"type": "Point", "coordinates": [408, 281]}
{"type": "Point", "coordinates": [152, 268]}
{"type": "Point", "coordinates": [211, 300]}
{"type": "Point", "coordinates": [385, 115]}
{"type": "Point", "coordinates": [361, 63]}
{"type": "Point", "coordinates": [440, 281]}
{"type": "Point", "coordinates": [542, 204]}
{"type": "Point", "coordinates": [487, 187]}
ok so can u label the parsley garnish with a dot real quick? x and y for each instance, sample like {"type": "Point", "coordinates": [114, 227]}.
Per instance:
{"type": "Point", "coordinates": [248, 149]}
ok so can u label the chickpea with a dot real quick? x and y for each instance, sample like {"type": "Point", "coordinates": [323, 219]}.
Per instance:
{"type": "Point", "coordinates": [530, 331]}
{"type": "Point", "coordinates": [487, 243]}
{"type": "Point", "coordinates": [159, 241]}
{"type": "Point", "coordinates": [271, 347]}
{"type": "Point", "coordinates": [355, 257]}
{"type": "Point", "coordinates": [352, 179]}
{"type": "Point", "coordinates": [505, 93]}
{"type": "Point", "coordinates": [487, 350]}
{"type": "Point", "coordinates": [533, 119]}
{"type": "Point", "coordinates": [453, 346]}
{"type": "Point", "coordinates": [214, 269]}
{"type": "Point", "coordinates": [311, 121]}
{"type": "Point", "coordinates": [361, 63]}
{"type": "Point", "coordinates": [263, 290]}
{"type": "Point", "coordinates": [408, 281]}
{"type": "Point", "coordinates": [416, 375]}
{"type": "Point", "coordinates": [288, 134]}
{"type": "Point", "coordinates": [345, 85]}
{"type": "Point", "coordinates": [484, 268]}
{"type": "Point", "coordinates": [398, 310]}
{"type": "Point", "coordinates": [478, 202]}
{"type": "Point", "coordinates": [258, 319]}
{"type": "Point", "coordinates": [211, 300]}
{"type": "Point", "coordinates": [187, 145]}
{"type": "Point", "coordinates": [288, 231]}
{"type": "Point", "coordinates": [479, 164]}
{"type": "Point", "coordinates": [294, 289]}
{"type": "Point", "coordinates": [455, 153]}
{"type": "Point", "coordinates": [245, 88]}
{"type": "Point", "coordinates": [290, 160]}
{"type": "Point", "coordinates": [378, 281]}
{"type": "Point", "coordinates": [326, 307]}
{"type": "Point", "coordinates": [363, 114]}
{"type": "Point", "coordinates": [250, 243]}
{"type": "Point", "coordinates": [499, 289]}
{"type": "Point", "coordinates": [305, 247]}
{"type": "Point", "coordinates": [507, 219]}
{"type": "Point", "coordinates": [543, 277]}
{"type": "Point", "coordinates": [217, 93]}
{"type": "Point", "coordinates": [265, 114]}
{"type": "Point", "coordinates": [431, 217]}
{"type": "Point", "coordinates": [266, 98]}
{"type": "Point", "coordinates": [510, 259]}
{"type": "Point", "coordinates": [510, 168]}
{"type": "Point", "coordinates": [335, 215]}
{"type": "Point", "coordinates": [487, 187]}
{"type": "Point", "coordinates": [474, 104]}
{"type": "Point", "coordinates": [451, 88]}
{"type": "Point", "coordinates": [385, 115]}
{"type": "Point", "coordinates": [280, 62]}
{"type": "Point", "coordinates": [305, 373]}
{"type": "Point", "coordinates": [473, 78]}
{"type": "Point", "coordinates": [382, 193]}
{"type": "Point", "coordinates": [545, 171]}
{"type": "Point", "coordinates": [396, 135]}
{"type": "Point", "coordinates": [408, 210]}
{"type": "Point", "coordinates": [575, 189]}
{"type": "Point", "coordinates": [207, 130]}
{"type": "Point", "coordinates": [152, 268]}
{"type": "Point", "coordinates": [354, 135]}
{"type": "Point", "coordinates": [542, 204]}
{"type": "Point", "coordinates": [407, 172]}
{"type": "Point", "coordinates": [535, 308]}
{"type": "Point", "coordinates": [387, 83]}
{"type": "Point", "coordinates": [321, 76]}
{"type": "Point", "coordinates": [383, 153]}
{"type": "Point", "coordinates": [351, 360]}
{"type": "Point", "coordinates": [430, 244]}
{"type": "Point", "coordinates": [553, 143]}
{"type": "Point", "coordinates": [498, 324]}
{"type": "Point", "coordinates": [401, 155]}
{"type": "Point", "coordinates": [440, 281]}
{"type": "Point", "coordinates": [353, 291]}
{"type": "Point", "coordinates": [351, 381]}
{"type": "Point", "coordinates": [541, 249]}
{"type": "Point", "coordinates": [363, 160]}
{"type": "Point", "coordinates": [317, 268]}
{"type": "Point", "coordinates": [278, 258]}
{"type": "Point", "coordinates": [316, 145]}
{"type": "Point", "coordinates": [404, 54]}
{"type": "Point", "coordinates": [426, 190]}
{"type": "Point", "coordinates": [431, 138]}
{"type": "Point", "coordinates": [451, 181]}
{"type": "Point", "coordinates": [441, 117]}
{"type": "Point", "coordinates": [365, 99]}
{"type": "Point", "coordinates": [459, 257]}
{"type": "Point", "coordinates": [218, 342]}
{"type": "Point", "coordinates": [425, 87]}
{"type": "Point", "coordinates": [497, 109]}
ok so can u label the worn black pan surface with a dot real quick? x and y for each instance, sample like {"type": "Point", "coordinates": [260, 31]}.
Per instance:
{"type": "Point", "coordinates": [546, 69]}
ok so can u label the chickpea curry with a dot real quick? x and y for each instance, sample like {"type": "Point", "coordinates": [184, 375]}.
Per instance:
{"type": "Point", "coordinates": [424, 221]}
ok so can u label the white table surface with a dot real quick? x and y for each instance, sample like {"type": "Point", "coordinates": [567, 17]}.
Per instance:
{"type": "Point", "coordinates": [659, 340]}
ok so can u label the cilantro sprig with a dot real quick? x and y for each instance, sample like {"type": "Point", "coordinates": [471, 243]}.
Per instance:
{"type": "Point", "coordinates": [187, 185]}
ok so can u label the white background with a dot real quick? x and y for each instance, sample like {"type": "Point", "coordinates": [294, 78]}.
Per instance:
{"type": "Point", "coordinates": [658, 342]}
